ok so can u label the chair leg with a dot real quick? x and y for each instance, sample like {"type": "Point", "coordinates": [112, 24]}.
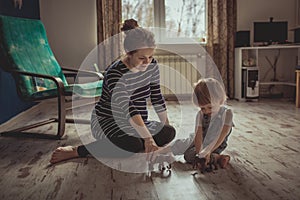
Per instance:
{"type": "Point", "coordinates": [79, 121]}
{"type": "Point", "coordinates": [61, 120]}
{"type": "Point", "coordinates": [31, 126]}
{"type": "Point", "coordinates": [61, 115]}
{"type": "Point", "coordinates": [18, 132]}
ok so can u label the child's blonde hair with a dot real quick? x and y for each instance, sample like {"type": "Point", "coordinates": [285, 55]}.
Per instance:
{"type": "Point", "coordinates": [209, 91]}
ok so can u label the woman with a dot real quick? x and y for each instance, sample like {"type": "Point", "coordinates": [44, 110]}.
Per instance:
{"type": "Point", "coordinates": [120, 117]}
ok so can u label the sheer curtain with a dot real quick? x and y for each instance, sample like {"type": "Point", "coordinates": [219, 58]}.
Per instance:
{"type": "Point", "coordinates": [222, 22]}
{"type": "Point", "coordinates": [109, 16]}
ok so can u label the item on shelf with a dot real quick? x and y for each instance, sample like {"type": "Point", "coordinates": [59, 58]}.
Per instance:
{"type": "Point", "coordinates": [242, 39]}
{"type": "Point", "coordinates": [249, 62]}
{"type": "Point", "coordinates": [250, 83]}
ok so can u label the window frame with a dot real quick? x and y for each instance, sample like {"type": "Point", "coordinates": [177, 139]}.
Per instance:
{"type": "Point", "coordinates": [159, 13]}
{"type": "Point", "coordinates": [160, 21]}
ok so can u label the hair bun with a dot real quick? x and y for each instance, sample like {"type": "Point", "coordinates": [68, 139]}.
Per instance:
{"type": "Point", "coordinates": [129, 24]}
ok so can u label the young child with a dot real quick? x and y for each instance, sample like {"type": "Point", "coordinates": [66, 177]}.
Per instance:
{"type": "Point", "coordinates": [213, 126]}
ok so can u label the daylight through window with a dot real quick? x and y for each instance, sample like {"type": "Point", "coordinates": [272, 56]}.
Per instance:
{"type": "Point", "coordinates": [180, 18]}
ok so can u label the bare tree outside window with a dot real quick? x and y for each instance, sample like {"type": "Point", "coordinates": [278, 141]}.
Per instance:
{"type": "Point", "coordinates": [185, 18]}
{"type": "Point", "coordinates": [140, 10]}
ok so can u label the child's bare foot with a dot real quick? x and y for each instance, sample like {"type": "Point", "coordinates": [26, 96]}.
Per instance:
{"type": "Point", "coordinates": [63, 153]}
{"type": "Point", "coordinates": [223, 160]}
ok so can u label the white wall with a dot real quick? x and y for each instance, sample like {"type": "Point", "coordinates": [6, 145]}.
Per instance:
{"type": "Point", "coordinates": [249, 11]}
{"type": "Point", "coordinates": [71, 24]}
{"type": "Point", "coordinates": [71, 29]}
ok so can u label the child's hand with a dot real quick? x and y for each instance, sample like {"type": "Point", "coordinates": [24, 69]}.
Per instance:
{"type": "Point", "coordinates": [207, 157]}
{"type": "Point", "coordinates": [200, 163]}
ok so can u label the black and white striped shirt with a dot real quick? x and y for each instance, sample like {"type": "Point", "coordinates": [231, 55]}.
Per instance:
{"type": "Point", "coordinates": [126, 93]}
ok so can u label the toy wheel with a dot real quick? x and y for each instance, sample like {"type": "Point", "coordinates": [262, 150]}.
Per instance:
{"type": "Point", "coordinates": [161, 167]}
{"type": "Point", "coordinates": [166, 173]}
{"type": "Point", "coordinates": [169, 166]}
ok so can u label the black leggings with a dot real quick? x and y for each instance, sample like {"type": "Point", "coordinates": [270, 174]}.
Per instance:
{"type": "Point", "coordinates": [126, 145]}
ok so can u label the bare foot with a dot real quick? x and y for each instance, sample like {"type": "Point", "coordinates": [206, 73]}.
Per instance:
{"type": "Point", "coordinates": [224, 160]}
{"type": "Point", "coordinates": [63, 153]}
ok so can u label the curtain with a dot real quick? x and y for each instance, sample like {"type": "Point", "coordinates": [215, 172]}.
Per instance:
{"type": "Point", "coordinates": [222, 22]}
{"type": "Point", "coordinates": [109, 16]}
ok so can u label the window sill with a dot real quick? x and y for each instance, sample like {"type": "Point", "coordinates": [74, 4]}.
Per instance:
{"type": "Point", "coordinates": [182, 48]}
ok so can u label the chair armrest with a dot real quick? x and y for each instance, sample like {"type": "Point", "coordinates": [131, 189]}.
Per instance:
{"type": "Point", "coordinates": [98, 74]}
{"type": "Point", "coordinates": [58, 82]}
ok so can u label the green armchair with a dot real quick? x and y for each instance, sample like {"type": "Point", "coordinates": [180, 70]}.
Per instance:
{"type": "Point", "coordinates": [26, 54]}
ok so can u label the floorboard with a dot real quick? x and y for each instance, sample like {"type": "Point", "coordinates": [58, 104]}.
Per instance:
{"type": "Point", "coordinates": [264, 149]}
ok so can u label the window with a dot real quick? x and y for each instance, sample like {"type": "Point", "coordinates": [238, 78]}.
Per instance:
{"type": "Point", "coordinates": [179, 19]}
{"type": "Point", "coordinates": [140, 10]}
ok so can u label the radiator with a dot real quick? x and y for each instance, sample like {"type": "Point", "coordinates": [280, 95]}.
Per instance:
{"type": "Point", "coordinates": [178, 74]}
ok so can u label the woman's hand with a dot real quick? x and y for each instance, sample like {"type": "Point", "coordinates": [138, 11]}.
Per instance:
{"type": "Point", "coordinates": [150, 145]}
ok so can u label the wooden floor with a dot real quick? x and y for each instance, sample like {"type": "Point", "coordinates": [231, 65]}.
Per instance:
{"type": "Point", "coordinates": [264, 148]}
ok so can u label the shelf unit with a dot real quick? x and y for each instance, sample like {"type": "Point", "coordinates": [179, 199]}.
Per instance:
{"type": "Point", "coordinates": [276, 65]}
{"type": "Point", "coordinates": [277, 83]}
